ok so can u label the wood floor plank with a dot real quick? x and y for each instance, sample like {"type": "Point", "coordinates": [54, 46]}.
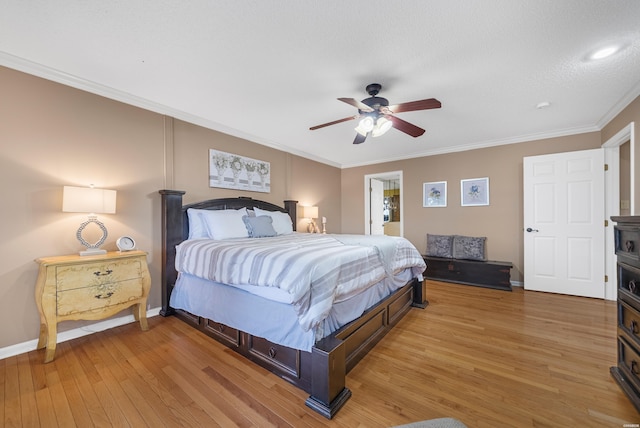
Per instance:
{"type": "Point", "coordinates": [489, 358]}
{"type": "Point", "coordinates": [28, 404]}
{"type": "Point", "coordinates": [3, 398]}
{"type": "Point", "coordinates": [12, 408]}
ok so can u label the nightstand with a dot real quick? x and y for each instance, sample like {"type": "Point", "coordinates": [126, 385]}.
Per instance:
{"type": "Point", "coordinates": [89, 288]}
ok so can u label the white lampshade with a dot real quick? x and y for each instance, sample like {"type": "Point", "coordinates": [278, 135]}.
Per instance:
{"type": "Point", "coordinates": [88, 200]}
{"type": "Point", "coordinates": [382, 125]}
{"type": "Point", "coordinates": [310, 212]}
{"type": "Point", "coordinates": [365, 126]}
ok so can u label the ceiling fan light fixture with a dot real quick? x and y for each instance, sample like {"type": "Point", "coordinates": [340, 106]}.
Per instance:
{"type": "Point", "coordinates": [382, 126]}
{"type": "Point", "coordinates": [365, 126]}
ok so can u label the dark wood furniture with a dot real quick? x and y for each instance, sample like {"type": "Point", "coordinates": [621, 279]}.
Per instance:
{"type": "Point", "coordinates": [627, 247]}
{"type": "Point", "coordinates": [320, 372]}
{"type": "Point", "coordinates": [490, 274]}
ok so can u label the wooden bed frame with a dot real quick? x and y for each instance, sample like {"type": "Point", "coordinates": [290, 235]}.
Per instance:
{"type": "Point", "coordinates": [320, 372]}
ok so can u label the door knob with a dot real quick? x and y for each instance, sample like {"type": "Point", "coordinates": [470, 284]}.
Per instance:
{"type": "Point", "coordinates": [532, 230]}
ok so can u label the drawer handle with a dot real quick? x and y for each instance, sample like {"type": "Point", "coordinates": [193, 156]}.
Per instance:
{"type": "Point", "coordinates": [273, 352]}
{"type": "Point", "coordinates": [220, 328]}
{"type": "Point", "coordinates": [632, 286]}
{"type": "Point", "coordinates": [107, 272]}
{"type": "Point", "coordinates": [629, 246]}
{"type": "Point", "coordinates": [634, 367]}
{"type": "Point", "coordinates": [104, 296]}
{"type": "Point", "coordinates": [633, 327]}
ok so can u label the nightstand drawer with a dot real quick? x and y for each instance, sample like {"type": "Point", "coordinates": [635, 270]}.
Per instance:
{"type": "Point", "coordinates": [88, 275]}
{"type": "Point", "coordinates": [98, 296]}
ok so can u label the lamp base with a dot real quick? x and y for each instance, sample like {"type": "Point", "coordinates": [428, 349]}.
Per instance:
{"type": "Point", "coordinates": [92, 249]}
{"type": "Point", "coordinates": [92, 252]}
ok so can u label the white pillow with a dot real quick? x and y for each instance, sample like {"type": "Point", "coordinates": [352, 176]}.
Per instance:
{"type": "Point", "coordinates": [281, 221]}
{"type": "Point", "coordinates": [225, 224]}
{"type": "Point", "coordinates": [197, 229]}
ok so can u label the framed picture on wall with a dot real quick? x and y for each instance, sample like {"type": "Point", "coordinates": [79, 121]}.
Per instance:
{"type": "Point", "coordinates": [231, 171]}
{"type": "Point", "coordinates": [474, 192]}
{"type": "Point", "coordinates": [434, 194]}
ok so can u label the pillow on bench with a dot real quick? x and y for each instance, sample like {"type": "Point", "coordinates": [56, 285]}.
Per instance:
{"type": "Point", "coordinates": [440, 246]}
{"type": "Point", "coordinates": [469, 248]}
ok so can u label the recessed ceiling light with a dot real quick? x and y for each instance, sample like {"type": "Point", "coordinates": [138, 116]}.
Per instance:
{"type": "Point", "coordinates": [604, 52]}
{"type": "Point", "coordinates": [543, 104]}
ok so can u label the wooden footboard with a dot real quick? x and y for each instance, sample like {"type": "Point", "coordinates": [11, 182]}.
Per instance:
{"type": "Point", "coordinates": [320, 372]}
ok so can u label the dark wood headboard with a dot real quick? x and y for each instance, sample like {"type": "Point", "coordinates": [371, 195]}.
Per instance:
{"type": "Point", "coordinates": [175, 229]}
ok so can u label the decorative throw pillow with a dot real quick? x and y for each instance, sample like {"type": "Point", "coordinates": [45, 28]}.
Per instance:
{"type": "Point", "coordinates": [469, 248]}
{"type": "Point", "coordinates": [440, 246]}
{"type": "Point", "coordinates": [281, 221]}
{"type": "Point", "coordinates": [260, 226]}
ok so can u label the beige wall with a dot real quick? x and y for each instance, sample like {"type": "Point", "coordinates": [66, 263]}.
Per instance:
{"type": "Point", "coordinates": [53, 135]}
{"type": "Point", "coordinates": [500, 222]}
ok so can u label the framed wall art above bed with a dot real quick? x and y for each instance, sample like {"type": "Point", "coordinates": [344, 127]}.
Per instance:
{"type": "Point", "coordinates": [231, 171]}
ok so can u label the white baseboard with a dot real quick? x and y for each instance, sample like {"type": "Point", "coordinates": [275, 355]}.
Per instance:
{"type": "Point", "coordinates": [517, 283]}
{"type": "Point", "coordinates": [21, 348]}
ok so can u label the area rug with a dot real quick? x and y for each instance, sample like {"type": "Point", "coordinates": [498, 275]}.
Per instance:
{"type": "Point", "coordinates": [435, 423]}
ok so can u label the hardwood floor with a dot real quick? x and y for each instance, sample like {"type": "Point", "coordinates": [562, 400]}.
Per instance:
{"type": "Point", "coordinates": [489, 358]}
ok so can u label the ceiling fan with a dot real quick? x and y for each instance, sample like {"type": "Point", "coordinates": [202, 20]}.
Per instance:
{"type": "Point", "coordinates": [377, 116]}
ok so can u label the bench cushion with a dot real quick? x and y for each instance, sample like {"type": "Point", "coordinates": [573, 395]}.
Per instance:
{"type": "Point", "coordinates": [440, 246]}
{"type": "Point", "coordinates": [469, 248]}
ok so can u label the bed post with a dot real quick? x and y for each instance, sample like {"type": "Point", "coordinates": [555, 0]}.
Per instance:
{"type": "Point", "coordinates": [420, 294]}
{"type": "Point", "coordinates": [171, 236]}
{"type": "Point", "coordinates": [328, 391]}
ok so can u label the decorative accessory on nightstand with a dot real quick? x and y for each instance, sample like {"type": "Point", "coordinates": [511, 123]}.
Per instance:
{"type": "Point", "coordinates": [92, 201]}
{"type": "Point", "coordinates": [311, 213]}
{"type": "Point", "coordinates": [126, 243]}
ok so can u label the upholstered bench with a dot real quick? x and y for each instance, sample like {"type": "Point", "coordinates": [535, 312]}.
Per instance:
{"type": "Point", "coordinates": [461, 260]}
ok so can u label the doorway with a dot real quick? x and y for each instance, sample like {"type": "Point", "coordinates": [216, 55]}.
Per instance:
{"type": "Point", "coordinates": [383, 208]}
{"type": "Point", "coordinates": [619, 154]}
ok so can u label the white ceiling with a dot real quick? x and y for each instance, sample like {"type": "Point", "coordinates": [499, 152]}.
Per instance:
{"type": "Point", "coordinates": [267, 70]}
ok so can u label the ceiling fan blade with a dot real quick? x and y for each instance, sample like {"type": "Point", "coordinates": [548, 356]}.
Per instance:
{"type": "Point", "coordinates": [334, 122]}
{"type": "Point", "coordinates": [416, 105]}
{"type": "Point", "coordinates": [406, 127]}
{"type": "Point", "coordinates": [359, 139]}
{"type": "Point", "coordinates": [359, 105]}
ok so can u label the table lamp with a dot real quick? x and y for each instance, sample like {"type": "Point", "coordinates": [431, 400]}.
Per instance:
{"type": "Point", "coordinates": [310, 213]}
{"type": "Point", "coordinates": [92, 201]}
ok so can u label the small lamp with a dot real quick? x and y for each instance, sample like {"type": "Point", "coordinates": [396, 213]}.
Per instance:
{"type": "Point", "coordinates": [310, 213]}
{"type": "Point", "coordinates": [92, 201]}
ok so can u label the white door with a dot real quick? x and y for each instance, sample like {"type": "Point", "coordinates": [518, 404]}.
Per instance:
{"type": "Point", "coordinates": [376, 206]}
{"type": "Point", "coordinates": [564, 236]}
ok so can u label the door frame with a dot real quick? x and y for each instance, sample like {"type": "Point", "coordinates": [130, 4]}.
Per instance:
{"type": "Point", "coordinates": [612, 198]}
{"type": "Point", "coordinates": [395, 175]}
